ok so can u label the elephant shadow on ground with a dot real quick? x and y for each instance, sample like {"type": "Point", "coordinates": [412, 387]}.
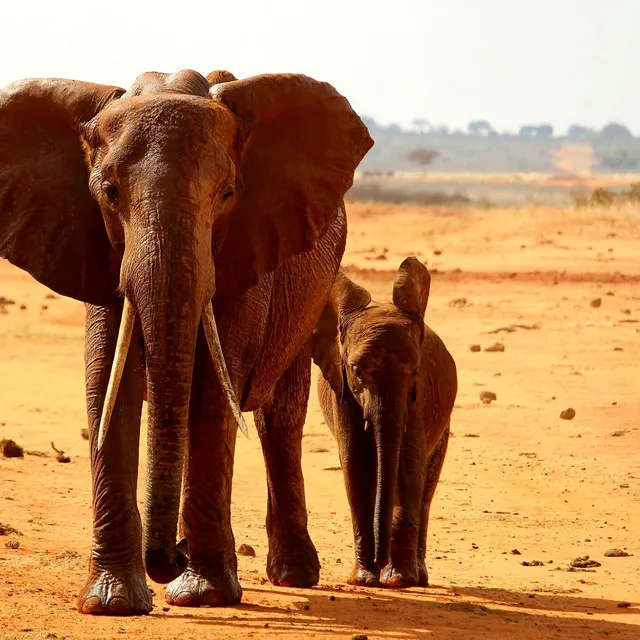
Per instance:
{"type": "Point", "coordinates": [442, 612]}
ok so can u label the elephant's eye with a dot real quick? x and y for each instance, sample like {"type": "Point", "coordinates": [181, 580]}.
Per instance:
{"type": "Point", "coordinates": [110, 191]}
{"type": "Point", "coordinates": [227, 192]}
{"type": "Point", "coordinates": [357, 372]}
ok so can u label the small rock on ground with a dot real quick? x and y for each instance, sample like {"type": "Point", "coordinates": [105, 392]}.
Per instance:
{"type": "Point", "coordinates": [568, 414]}
{"type": "Point", "coordinates": [487, 397]}
{"type": "Point", "coordinates": [616, 553]}
{"type": "Point", "coordinates": [584, 563]}
{"type": "Point", "coordinates": [624, 604]}
{"type": "Point", "coordinates": [596, 302]}
{"type": "Point", "coordinates": [12, 544]}
{"type": "Point", "coordinates": [498, 347]}
{"type": "Point", "coordinates": [8, 530]}
{"type": "Point", "coordinates": [532, 563]}
{"type": "Point", "coordinates": [10, 449]}
{"type": "Point", "coordinates": [474, 348]}
{"type": "Point", "coordinates": [246, 550]}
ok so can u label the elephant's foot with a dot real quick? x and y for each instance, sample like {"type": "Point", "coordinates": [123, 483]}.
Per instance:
{"type": "Point", "coordinates": [293, 562]}
{"type": "Point", "coordinates": [205, 587]}
{"type": "Point", "coordinates": [365, 576]}
{"type": "Point", "coordinates": [115, 592]}
{"type": "Point", "coordinates": [400, 575]}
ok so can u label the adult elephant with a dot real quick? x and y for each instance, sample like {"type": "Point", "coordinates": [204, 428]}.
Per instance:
{"type": "Point", "coordinates": [148, 205]}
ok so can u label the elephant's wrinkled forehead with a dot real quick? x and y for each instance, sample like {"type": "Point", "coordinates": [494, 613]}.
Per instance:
{"type": "Point", "coordinates": [176, 123]}
{"type": "Point", "coordinates": [383, 336]}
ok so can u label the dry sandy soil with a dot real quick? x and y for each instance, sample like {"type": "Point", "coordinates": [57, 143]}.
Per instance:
{"type": "Point", "coordinates": [516, 477]}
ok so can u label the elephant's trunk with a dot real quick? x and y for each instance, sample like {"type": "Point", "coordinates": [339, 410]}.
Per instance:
{"type": "Point", "coordinates": [168, 276]}
{"type": "Point", "coordinates": [169, 304]}
{"type": "Point", "coordinates": [388, 418]}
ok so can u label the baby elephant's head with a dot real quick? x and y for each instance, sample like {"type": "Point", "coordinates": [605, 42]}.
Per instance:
{"type": "Point", "coordinates": [370, 354]}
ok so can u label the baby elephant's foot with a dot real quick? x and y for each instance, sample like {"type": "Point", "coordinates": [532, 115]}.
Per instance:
{"type": "Point", "coordinates": [365, 576]}
{"type": "Point", "coordinates": [116, 592]}
{"type": "Point", "coordinates": [205, 588]}
{"type": "Point", "coordinates": [400, 576]}
{"type": "Point", "coordinates": [293, 563]}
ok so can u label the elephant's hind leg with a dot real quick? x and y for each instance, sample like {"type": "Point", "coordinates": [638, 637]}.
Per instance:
{"type": "Point", "coordinates": [211, 578]}
{"type": "Point", "coordinates": [116, 584]}
{"type": "Point", "coordinates": [292, 560]}
{"type": "Point", "coordinates": [436, 460]}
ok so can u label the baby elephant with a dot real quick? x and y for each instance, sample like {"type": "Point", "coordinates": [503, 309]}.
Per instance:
{"type": "Point", "coordinates": [387, 390]}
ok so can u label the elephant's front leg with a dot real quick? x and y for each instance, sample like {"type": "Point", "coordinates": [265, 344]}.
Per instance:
{"type": "Point", "coordinates": [116, 583]}
{"type": "Point", "coordinates": [292, 560]}
{"type": "Point", "coordinates": [403, 569]}
{"type": "Point", "coordinates": [211, 578]}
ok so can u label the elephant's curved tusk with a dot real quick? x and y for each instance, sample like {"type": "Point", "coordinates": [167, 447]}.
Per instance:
{"type": "Point", "coordinates": [117, 369]}
{"type": "Point", "coordinates": [213, 340]}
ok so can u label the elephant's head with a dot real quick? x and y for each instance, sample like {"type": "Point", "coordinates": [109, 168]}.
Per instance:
{"type": "Point", "coordinates": [167, 194]}
{"type": "Point", "coordinates": [371, 353]}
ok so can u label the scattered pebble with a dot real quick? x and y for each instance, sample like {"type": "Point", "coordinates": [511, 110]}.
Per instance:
{"type": "Point", "coordinates": [437, 252]}
{"type": "Point", "coordinates": [12, 544]}
{"type": "Point", "coordinates": [332, 469]}
{"type": "Point", "coordinates": [568, 414]}
{"type": "Point", "coordinates": [332, 598]}
{"type": "Point", "coordinates": [584, 563]}
{"type": "Point", "coordinates": [459, 303]}
{"type": "Point", "coordinates": [624, 604]}
{"type": "Point", "coordinates": [498, 347]}
{"type": "Point", "coordinates": [10, 449]}
{"type": "Point", "coordinates": [359, 636]}
{"type": "Point", "coordinates": [596, 302]}
{"type": "Point", "coordinates": [474, 348]}
{"type": "Point", "coordinates": [246, 550]}
{"type": "Point", "coordinates": [487, 397]}
{"type": "Point", "coordinates": [532, 563]}
{"type": "Point", "coordinates": [616, 553]}
{"type": "Point", "coordinates": [8, 530]}
{"type": "Point", "coordinates": [515, 552]}
{"type": "Point", "coordinates": [618, 434]}
{"type": "Point", "coordinates": [471, 435]}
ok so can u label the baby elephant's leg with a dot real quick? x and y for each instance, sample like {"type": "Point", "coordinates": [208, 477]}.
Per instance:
{"type": "Point", "coordinates": [403, 570]}
{"type": "Point", "coordinates": [434, 467]}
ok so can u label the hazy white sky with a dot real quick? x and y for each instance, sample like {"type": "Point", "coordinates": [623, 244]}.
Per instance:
{"type": "Point", "coordinates": [449, 61]}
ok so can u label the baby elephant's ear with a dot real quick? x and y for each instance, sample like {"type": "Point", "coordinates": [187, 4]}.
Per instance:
{"type": "Point", "coordinates": [345, 300]}
{"type": "Point", "coordinates": [411, 288]}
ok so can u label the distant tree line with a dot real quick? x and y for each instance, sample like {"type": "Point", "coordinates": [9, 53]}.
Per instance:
{"type": "Point", "coordinates": [483, 128]}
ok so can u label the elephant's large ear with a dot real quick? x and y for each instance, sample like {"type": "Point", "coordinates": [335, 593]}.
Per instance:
{"type": "Point", "coordinates": [411, 288]}
{"type": "Point", "coordinates": [345, 301]}
{"type": "Point", "coordinates": [303, 145]}
{"type": "Point", "coordinates": [49, 223]}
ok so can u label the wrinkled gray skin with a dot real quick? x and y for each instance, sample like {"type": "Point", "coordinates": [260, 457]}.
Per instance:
{"type": "Point", "coordinates": [387, 392]}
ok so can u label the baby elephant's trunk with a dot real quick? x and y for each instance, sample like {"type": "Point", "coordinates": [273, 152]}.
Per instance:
{"type": "Point", "coordinates": [388, 419]}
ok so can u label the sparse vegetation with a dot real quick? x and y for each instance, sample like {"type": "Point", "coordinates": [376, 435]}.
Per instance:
{"type": "Point", "coordinates": [603, 197]}
{"type": "Point", "coordinates": [374, 192]}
